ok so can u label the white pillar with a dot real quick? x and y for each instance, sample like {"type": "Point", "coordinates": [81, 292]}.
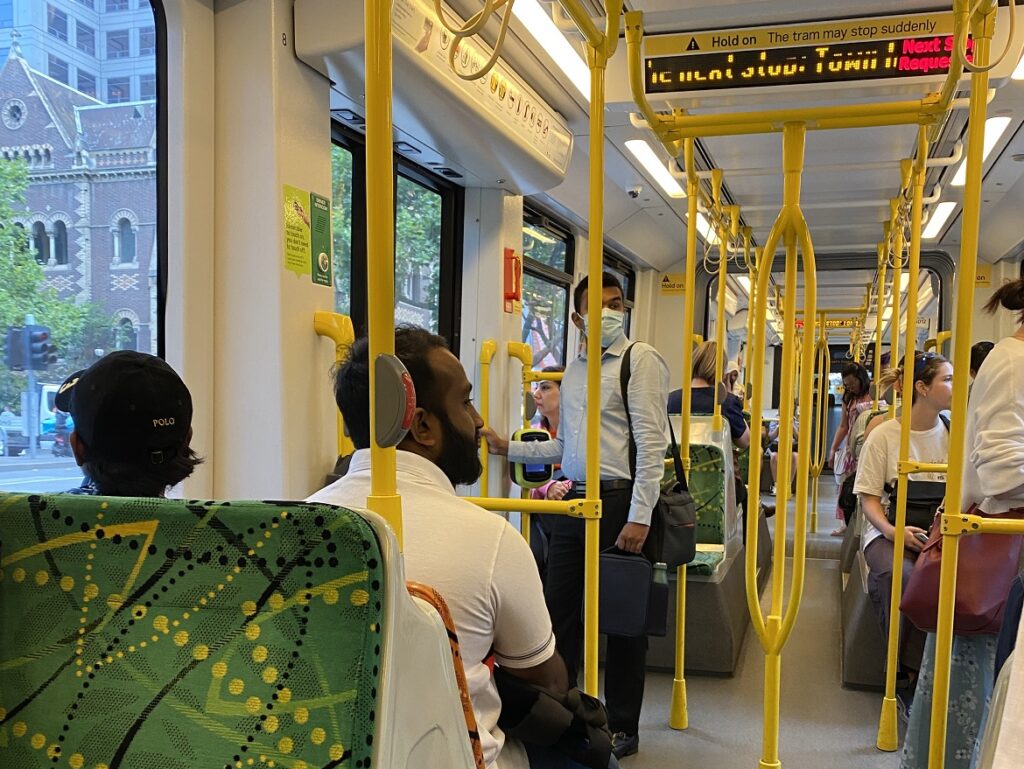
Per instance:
{"type": "Point", "coordinates": [52, 239]}
{"type": "Point", "coordinates": [115, 233]}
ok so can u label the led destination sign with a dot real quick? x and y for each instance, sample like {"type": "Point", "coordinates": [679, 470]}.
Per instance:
{"type": "Point", "coordinates": [907, 57]}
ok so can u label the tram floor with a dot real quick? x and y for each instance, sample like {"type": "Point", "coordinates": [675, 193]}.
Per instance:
{"type": "Point", "coordinates": [822, 724]}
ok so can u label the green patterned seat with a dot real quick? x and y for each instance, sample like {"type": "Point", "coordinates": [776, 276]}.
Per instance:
{"type": "Point", "coordinates": [707, 486]}
{"type": "Point", "coordinates": [166, 634]}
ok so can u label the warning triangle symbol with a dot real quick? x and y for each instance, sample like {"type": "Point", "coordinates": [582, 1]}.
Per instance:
{"type": "Point", "coordinates": [693, 45]}
{"type": "Point", "coordinates": [666, 279]}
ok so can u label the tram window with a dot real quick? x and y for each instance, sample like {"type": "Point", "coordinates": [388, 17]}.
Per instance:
{"type": "Point", "coordinates": [94, 278]}
{"type": "Point", "coordinates": [427, 255]}
{"type": "Point", "coordinates": [547, 275]}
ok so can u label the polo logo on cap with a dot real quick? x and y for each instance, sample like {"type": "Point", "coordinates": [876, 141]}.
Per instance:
{"type": "Point", "coordinates": [68, 385]}
{"type": "Point", "coordinates": [163, 422]}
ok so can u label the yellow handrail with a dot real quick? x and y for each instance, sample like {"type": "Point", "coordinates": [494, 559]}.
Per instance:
{"type": "Point", "coordinates": [380, 237]}
{"type": "Point", "coordinates": [982, 29]}
{"type": "Point", "coordinates": [887, 737]}
{"type": "Point", "coordinates": [896, 235]}
{"type": "Point", "coordinates": [882, 264]}
{"type": "Point", "coordinates": [820, 416]}
{"type": "Point", "coordinates": [723, 268]}
{"type": "Point", "coordinates": [752, 278]}
{"type": "Point", "coordinates": [338, 328]}
{"type": "Point", "coordinates": [488, 348]}
{"type": "Point", "coordinates": [773, 632]}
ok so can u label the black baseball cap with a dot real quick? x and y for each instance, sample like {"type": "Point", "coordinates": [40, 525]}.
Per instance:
{"type": "Point", "coordinates": [128, 404]}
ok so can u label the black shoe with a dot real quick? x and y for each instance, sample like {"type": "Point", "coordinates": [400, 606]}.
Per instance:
{"type": "Point", "coordinates": [625, 744]}
{"type": "Point", "coordinates": [904, 701]}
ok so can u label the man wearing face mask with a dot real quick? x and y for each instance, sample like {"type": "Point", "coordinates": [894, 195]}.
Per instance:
{"type": "Point", "coordinates": [627, 498]}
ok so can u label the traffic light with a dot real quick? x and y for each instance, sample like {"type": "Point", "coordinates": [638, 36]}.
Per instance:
{"type": "Point", "coordinates": [14, 349]}
{"type": "Point", "coordinates": [41, 352]}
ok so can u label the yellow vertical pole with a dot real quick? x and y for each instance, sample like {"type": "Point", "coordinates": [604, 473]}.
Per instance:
{"type": "Point", "coordinates": [723, 267]}
{"type": "Point", "coordinates": [880, 298]}
{"type": "Point", "coordinates": [887, 737]}
{"type": "Point", "coordinates": [678, 711]}
{"type": "Point", "coordinates": [982, 29]}
{"type": "Point", "coordinates": [752, 278]}
{"type": "Point", "coordinates": [820, 416]}
{"type": "Point", "coordinates": [488, 348]}
{"type": "Point", "coordinates": [896, 235]}
{"type": "Point", "coordinates": [597, 62]}
{"type": "Point", "coordinates": [380, 237]}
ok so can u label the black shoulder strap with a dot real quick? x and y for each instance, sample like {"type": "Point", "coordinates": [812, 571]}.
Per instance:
{"type": "Point", "coordinates": [945, 421]}
{"type": "Point", "coordinates": [624, 374]}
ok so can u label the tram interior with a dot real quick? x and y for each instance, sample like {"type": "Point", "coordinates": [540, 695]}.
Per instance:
{"type": "Point", "coordinates": [256, 95]}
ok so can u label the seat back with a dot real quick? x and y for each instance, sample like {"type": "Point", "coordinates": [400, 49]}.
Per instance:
{"type": "Point", "coordinates": [167, 634]}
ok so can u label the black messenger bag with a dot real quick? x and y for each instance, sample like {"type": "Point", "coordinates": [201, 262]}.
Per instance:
{"type": "Point", "coordinates": [923, 501]}
{"type": "Point", "coordinates": [674, 518]}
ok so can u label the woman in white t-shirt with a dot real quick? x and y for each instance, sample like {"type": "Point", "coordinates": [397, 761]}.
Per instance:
{"type": "Point", "coordinates": [929, 442]}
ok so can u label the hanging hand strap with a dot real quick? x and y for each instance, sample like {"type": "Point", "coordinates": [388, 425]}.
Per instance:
{"type": "Point", "coordinates": [624, 374]}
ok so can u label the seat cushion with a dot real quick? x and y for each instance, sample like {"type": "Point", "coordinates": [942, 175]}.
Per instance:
{"type": "Point", "coordinates": [707, 486]}
{"type": "Point", "coordinates": [166, 634]}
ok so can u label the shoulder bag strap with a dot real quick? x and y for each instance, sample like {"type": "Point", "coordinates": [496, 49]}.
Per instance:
{"type": "Point", "coordinates": [624, 374]}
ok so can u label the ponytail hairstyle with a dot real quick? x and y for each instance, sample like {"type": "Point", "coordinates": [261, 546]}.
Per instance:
{"type": "Point", "coordinates": [856, 370]}
{"type": "Point", "coordinates": [926, 367]}
{"type": "Point", "coordinates": [1009, 295]}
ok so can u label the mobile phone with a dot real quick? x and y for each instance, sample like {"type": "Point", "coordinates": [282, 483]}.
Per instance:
{"type": "Point", "coordinates": [921, 537]}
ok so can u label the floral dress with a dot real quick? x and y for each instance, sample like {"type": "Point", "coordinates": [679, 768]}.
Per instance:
{"type": "Point", "coordinates": [971, 677]}
{"type": "Point", "coordinates": [849, 465]}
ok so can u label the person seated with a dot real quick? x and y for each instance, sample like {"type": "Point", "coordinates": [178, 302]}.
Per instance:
{"type": "Point", "coordinates": [132, 425]}
{"type": "Point", "coordinates": [772, 441]}
{"type": "Point", "coordinates": [979, 351]}
{"type": "Point", "coordinates": [480, 564]}
{"type": "Point", "coordinates": [702, 401]}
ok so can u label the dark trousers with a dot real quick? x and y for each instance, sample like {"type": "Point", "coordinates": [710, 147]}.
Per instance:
{"type": "Point", "coordinates": [626, 658]}
{"type": "Point", "coordinates": [878, 555]}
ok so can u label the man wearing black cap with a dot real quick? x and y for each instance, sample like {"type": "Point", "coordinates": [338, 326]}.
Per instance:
{"type": "Point", "coordinates": [133, 425]}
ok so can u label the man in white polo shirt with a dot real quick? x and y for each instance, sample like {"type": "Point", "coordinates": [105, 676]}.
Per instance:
{"type": "Point", "coordinates": [480, 565]}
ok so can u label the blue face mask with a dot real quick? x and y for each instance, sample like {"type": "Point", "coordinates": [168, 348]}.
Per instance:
{"type": "Point", "coordinates": [612, 323]}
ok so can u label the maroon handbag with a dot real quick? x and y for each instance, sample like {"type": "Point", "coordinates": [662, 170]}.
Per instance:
{"type": "Point", "coordinates": [986, 565]}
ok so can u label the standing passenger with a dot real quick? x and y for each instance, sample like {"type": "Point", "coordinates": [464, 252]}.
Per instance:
{"type": "Point", "coordinates": [994, 480]}
{"type": "Point", "coordinates": [546, 395]}
{"type": "Point", "coordinates": [475, 560]}
{"type": "Point", "coordinates": [856, 399]}
{"type": "Point", "coordinates": [627, 499]}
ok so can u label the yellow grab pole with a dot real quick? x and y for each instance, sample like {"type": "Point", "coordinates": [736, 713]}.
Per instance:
{"type": "Point", "coordinates": [751, 278]}
{"type": "Point", "coordinates": [982, 28]}
{"type": "Point", "coordinates": [678, 717]}
{"type": "Point", "coordinates": [723, 267]}
{"type": "Point", "coordinates": [338, 328]}
{"type": "Point", "coordinates": [488, 348]}
{"type": "Point", "coordinates": [887, 737]}
{"type": "Point", "coordinates": [774, 632]}
{"type": "Point", "coordinates": [880, 289]}
{"type": "Point", "coordinates": [896, 235]}
{"type": "Point", "coordinates": [380, 241]}
{"type": "Point", "coordinates": [820, 416]}
{"type": "Point", "coordinates": [524, 354]}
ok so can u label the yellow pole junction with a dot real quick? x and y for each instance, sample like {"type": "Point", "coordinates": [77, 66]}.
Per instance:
{"type": "Point", "coordinates": [982, 29]}
{"type": "Point", "coordinates": [338, 328]}
{"type": "Point", "coordinates": [380, 237]}
{"type": "Point", "coordinates": [887, 737]}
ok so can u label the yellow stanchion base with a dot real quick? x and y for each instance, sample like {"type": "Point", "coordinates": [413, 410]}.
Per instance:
{"type": "Point", "coordinates": [762, 764]}
{"type": "Point", "coordinates": [887, 738]}
{"type": "Point", "coordinates": [678, 716]}
{"type": "Point", "coordinates": [814, 522]}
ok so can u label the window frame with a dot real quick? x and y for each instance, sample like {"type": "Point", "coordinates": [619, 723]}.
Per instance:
{"type": "Point", "coordinates": [142, 79]}
{"type": "Point", "coordinates": [78, 82]}
{"type": "Point", "coordinates": [623, 268]}
{"type": "Point", "coordinates": [535, 217]}
{"type": "Point", "coordinates": [125, 53]}
{"type": "Point", "coordinates": [53, 11]}
{"type": "Point", "coordinates": [452, 214]}
{"type": "Point", "coordinates": [149, 50]}
{"type": "Point", "coordinates": [117, 81]}
{"type": "Point", "coordinates": [52, 59]}
{"type": "Point", "coordinates": [79, 26]}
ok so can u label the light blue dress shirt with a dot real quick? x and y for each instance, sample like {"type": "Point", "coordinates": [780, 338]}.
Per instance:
{"type": "Point", "coordinates": [648, 396]}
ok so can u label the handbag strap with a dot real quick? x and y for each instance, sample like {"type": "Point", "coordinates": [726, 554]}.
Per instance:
{"type": "Point", "coordinates": [677, 462]}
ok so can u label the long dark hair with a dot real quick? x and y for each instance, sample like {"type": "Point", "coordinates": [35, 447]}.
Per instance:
{"type": "Point", "coordinates": [1010, 296]}
{"type": "Point", "coordinates": [857, 370]}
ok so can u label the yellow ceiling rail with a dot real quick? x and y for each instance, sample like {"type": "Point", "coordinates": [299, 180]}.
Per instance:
{"type": "Point", "coordinates": [887, 738]}
{"type": "Point", "coordinates": [982, 28]}
{"type": "Point", "coordinates": [773, 631]}
{"type": "Point", "coordinates": [338, 328]}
